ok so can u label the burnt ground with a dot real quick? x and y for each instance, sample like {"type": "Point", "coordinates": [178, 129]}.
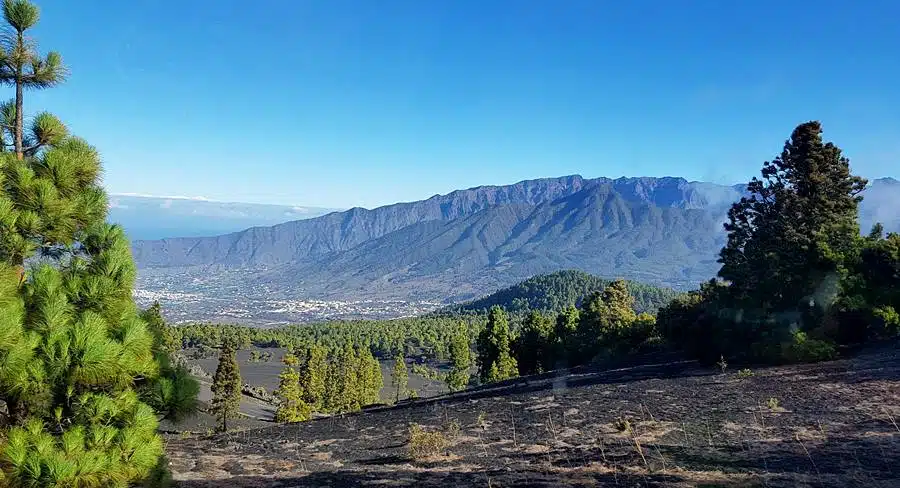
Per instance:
{"type": "Point", "coordinates": [265, 374]}
{"type": "Point", "coordinates": [835, 425]}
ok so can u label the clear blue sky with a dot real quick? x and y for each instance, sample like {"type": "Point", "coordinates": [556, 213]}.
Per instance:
{"type": "Point", "coordinates": [342, 103]}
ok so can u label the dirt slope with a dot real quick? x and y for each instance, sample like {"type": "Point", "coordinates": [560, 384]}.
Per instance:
{"type": "Point", "coordinates": [835, 424]}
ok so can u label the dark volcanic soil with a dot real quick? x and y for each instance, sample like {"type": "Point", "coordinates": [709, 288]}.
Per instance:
{"type": "Point", "coordinates": [835, 424]}
{"type": "Point", "coordinates": [265, 373]}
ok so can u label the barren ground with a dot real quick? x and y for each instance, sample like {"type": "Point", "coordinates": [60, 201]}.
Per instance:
{"type": "Point", "coordinates": [835, 425]}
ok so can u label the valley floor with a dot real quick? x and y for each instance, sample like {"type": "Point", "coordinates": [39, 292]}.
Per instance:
{"type": "Point", "coordinates": [835, 424]}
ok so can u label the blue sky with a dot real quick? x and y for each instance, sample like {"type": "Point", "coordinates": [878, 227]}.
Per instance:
{"type": "Point", "coordinates": [341, 103]}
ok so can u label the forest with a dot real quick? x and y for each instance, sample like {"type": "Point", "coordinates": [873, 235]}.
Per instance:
{"type": "Point", "coordinates": [554, 292]}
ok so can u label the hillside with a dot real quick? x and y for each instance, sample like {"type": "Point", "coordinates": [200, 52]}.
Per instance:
{"type": "Point", "coordinates": [834, 425]}
{"type": "Point", "coordinates": [455, 247]}
{"type": "Point", "coordinates": [555, 291]}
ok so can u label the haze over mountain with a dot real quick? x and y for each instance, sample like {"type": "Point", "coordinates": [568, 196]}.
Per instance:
{"type": "Point", "coordinates": [158, 217]}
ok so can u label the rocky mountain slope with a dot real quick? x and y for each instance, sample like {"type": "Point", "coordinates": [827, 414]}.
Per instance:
{"type": "Point", "coordinates": [663, 231]}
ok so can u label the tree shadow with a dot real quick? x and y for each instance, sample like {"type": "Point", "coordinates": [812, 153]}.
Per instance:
{"type": "Point", "coordinates": [620, 371]}
{"type": "Point", "coordinates": [383, 460]}
{"type": "Point", "coordinates": [438, 479]}
{"type": "Point", "coordinates": [871, 461]}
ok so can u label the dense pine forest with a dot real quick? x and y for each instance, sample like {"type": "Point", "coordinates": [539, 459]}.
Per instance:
{"type": "Point", "coordinates": [555, 292]}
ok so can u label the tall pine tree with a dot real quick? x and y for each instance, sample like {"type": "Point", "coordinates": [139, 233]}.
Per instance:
{"type": "Point", "coordinates": [291, 407]}
{"type": "Point", "coordinates": [460, 360]}
{"type": "Point", "coordinates": [22, 67]}
{"type": "Point", "coordinates": [313, 372]}
{"type": "Point", "coordinates": [533, 348]}
{"type": "Point", "coordinates": [371, 378]}
{"type": "Point", "coordinates": [173, 394]}
{"type": "Point", "coordinates": [73, 345]}
{"type": "Point", "coordinates": [566, 344]}
{"type": "Point", "coordinates": [605, 319]}
{"type": "Point", "coordinates": [788, 240]}
{"type": "Point", "coordinates": [400, 377]}
{"type": "Point", "coordinates": [226, 387]}
{"type": "Point", "coordinates": [495, 360]}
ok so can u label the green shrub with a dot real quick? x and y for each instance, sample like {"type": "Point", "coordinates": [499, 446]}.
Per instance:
{"type": "Point", "coordinates": [802, 349]}
{"type": "Point", "coordinates": [745, 373]}
{"type": "Point", "coordinates": [160, 476]}
{"type": "Point", "coordinates": [887, 321]}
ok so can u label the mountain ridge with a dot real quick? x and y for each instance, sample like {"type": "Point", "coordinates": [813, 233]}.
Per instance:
{"type": "Point", "coordinates": [462, 245]}
{"type": "Point", "coordinates": [340, 231]}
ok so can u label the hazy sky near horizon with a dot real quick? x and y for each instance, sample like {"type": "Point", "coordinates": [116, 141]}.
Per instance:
{"type": "Point", "coordinates": [340, 103]}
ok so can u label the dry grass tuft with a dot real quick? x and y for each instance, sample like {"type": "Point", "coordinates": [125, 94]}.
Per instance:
{"type": "Point", "coordinates": [425, 444]}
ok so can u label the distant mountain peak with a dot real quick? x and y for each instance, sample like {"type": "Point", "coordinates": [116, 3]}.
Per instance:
{"type": "Point", "coordinates": [887, 180]}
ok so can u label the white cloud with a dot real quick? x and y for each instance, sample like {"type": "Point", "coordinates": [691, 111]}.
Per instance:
{"type": "Point", "coordinates": [176, 197]}
{"type": "Point", "coordinates": [116, 204]}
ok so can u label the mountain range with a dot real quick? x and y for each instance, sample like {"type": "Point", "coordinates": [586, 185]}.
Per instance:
{"type": "Point", "coordinates": [155, 217]}
{"type": "Point", "coordinates": [662, 231]}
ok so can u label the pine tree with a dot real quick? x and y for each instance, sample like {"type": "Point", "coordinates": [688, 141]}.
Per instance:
{"type": "Point", "coordinates": [73, 346]}
{"type": "Point", "coordinates": [494, 358]}
{"type": "Point", "coordinates": [787, 241]}
{"type": "Point", "coordinates": [347, 380]}
{"type": "Point", "coordinates": [173, 394]}
{"type": "Point", "coordinates": [313, 371]}
{"type": "Point", "coordinates": [372, 379]}
{"type": "Point", "coordinates": [291, 408]}
{"type": "Point", "coordinates": [605, 319]}
{"type": "Point", "coordinates": [22, 67]}
{"type": "Point", "coordinates": [164, 337]}
{"type": "Point", "coordinates": [533, 348]}
{"type": "Point", "coordinates": [331, 394]}
{"type": "Point", "coordinates": [226, 387]}
{"type": "Point", "coordinates": [460, 360]}
{"type": "Point", "coordinates": [400, 376]}
{"type": "Point", "coordinates": [565, 340]}
{"type": "Point", "coordinates": [870, 301]}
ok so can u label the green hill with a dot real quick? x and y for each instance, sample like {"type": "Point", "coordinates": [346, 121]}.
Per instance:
{"type": "Point", "coordinates": [556, 291]}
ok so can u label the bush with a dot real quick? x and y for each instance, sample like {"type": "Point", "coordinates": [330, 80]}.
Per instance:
{"type": "Point", "coordinates": [745, 373]}
{"type": "Point", "coordinates": [622, 424]}
{"type": "Point", "coordinates": [886, 321]}
{"type": "Point", "coordinates": [452, 428]}
{"type": "Point", "coordinates": [160, 476]}
{"type": "Point", "coordinates": [424, 444]}
{"type": "Point", "coordinates": [802, 349]}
